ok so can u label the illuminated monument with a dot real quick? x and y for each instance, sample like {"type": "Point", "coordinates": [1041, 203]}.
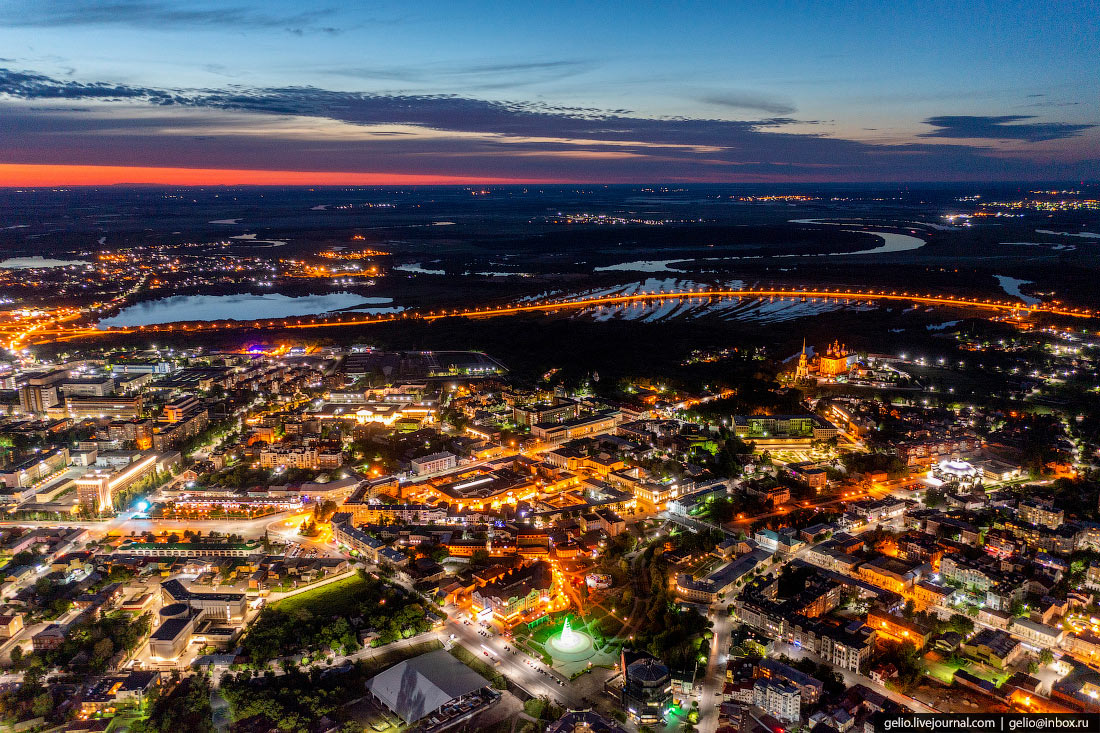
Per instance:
{"type": "Point", "coordinates": [835, 362]}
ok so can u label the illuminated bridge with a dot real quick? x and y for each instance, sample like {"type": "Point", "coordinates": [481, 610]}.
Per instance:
{"type": "Point", "coordinates": [64, 333]}
{"type": "Point", "coordinates": [838, 296]}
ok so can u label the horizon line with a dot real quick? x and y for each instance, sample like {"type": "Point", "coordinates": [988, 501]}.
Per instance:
{"type": "Point", "coordinates": [48, 175]}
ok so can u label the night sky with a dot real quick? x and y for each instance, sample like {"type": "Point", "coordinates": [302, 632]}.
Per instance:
{"type": "Point", "coordinates": [244, 91]}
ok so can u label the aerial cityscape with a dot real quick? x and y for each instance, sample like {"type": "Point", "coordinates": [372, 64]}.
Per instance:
{"type": "Point", "coordinates": [412, 367]}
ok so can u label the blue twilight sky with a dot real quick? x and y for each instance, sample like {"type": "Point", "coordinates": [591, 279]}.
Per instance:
{"type": "Point", "coordinates": [598, 91]}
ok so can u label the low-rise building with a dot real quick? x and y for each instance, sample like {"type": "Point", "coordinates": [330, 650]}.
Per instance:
{"type": "Point", "coordinates": [1035, 633]}
{"type": "Point", "coordinates": [10, 625]}
{"type": "Point", "coordinates": [211, 605]}
{"type": "Point", "coordinates": [647, 687]}
{"type": "Point", "coordinates": [993, 647]}
{"type": "Point", "coordinates": [517, 592]}
{"type": "Point", "coordinates": [898, 628]}
{"type": "Point", "coordinates": [191, 549]}
{"type": "Point", "coordinates": [434, 463]}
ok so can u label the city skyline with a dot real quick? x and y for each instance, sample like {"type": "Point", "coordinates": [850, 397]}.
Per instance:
{"type": "Point", "coordinates": [139, 91]}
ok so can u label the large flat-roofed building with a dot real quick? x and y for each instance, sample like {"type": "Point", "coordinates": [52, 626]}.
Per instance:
{"type": "Point", "coordinates": [40, 393]}
{"type": "Point", "coordinates": [139, 432]}
{"type": "Point", "coordinates": [1039, 513]}
{"type": "Point", "coordinates": [779, 699]}
{"type": "Point", "coordinates": [124, 408]}
{"type": "Point", "coordinates": [112, 693]}
{"type": "Point", "coordinates": [434, 463]}
{"type": "Point", "coordinates": [34, 469]}
{"type": "Point", "coordinates": [889, 573]}
{"type": "Point", "coordinates": [288, 457]}
{"type": "Point", "coordinates": [95, 490]}
{"type": "Point", "coordinates": [37, 398]}
{"type": "Point", "coordinates": [809, 686]}
{"type": "Point", "coordinates": [1035, 633]}
{"type": "Point", "coordinates": [480, 488]}
{"type": "Point", "coordinates": [560, 410]}
{"type": "Point", "coordinates": [211, 605]}
{"type": "Point", "coordinates": [785, 427]}
{"type": "Point", "coordinates": [127, 383]}
{"type": "Point", "coordinates": [142, 367]}
{"type": "Point", "coordinates": [559, 432]}
{"type": "Point", "coordinates": [88, 387]}
{"type": "Point", "coordinates": [175, 410]}
{"type": "Point", "coordinates": [344, 532]}
{"type": "Point", "coordinates": [186, 425]}
{"type": "Point", "coordinates": [399, 514]}
{"type": "Point", "coordinates": [721, 581]}
{"type": "Point", "coordinates": [898, 628]}
{"type": "Point", "coordinates": [191, 549]}
{"type": "Point", "coordinates": [170, 638]}
{"type": "Point", "coordinates": [994, 647]}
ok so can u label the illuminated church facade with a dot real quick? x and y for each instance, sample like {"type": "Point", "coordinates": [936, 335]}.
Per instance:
{"type": "Point", "coordinates": [835, 362]}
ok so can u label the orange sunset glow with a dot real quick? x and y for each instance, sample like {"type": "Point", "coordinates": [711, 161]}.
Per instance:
{"type": "Point", "coordinates": [18, 174]}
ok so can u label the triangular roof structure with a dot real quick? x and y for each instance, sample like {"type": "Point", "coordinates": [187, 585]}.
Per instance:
{"type": "Point", "coordinates": [419, 686]}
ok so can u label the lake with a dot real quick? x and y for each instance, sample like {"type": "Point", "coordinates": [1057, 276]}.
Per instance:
{"type": "Point", "coordinates": [242, 307]}
{"type": "Point", "coordinates": [1011, 285]}
{"type": "Point", "coordinates": [29, 263]}
{"type": "Point", "coordinates": [891, 243]}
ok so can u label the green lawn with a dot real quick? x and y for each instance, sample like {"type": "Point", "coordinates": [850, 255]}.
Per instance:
{"type": "Point", "coordinates": [323, 617]}
{"type": "Point", "coordinates": [341, 597]}
{"type": "Point", "coordinates": [945, 672]}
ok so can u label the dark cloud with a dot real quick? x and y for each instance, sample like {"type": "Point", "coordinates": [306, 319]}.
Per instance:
{"type": "Point", "coordinates": [750, 101]}
{"type": "Point", "coordinates": [1051, 104]}
{"type": "Point", "coordinates": [1004, 127]}
{"type": "Point", "coordinates": [248, 128]}
{"type": "Point", "coordinates": [27, 85]}
{"type": "Point", "coordinates": [158, 14]}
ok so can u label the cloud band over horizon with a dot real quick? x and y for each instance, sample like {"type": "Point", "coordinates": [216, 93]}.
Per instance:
{"type": "Point", "coordinates": [107, 132]}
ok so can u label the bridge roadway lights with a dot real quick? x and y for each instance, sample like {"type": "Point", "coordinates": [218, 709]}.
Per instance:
{"type": "Point", "coordinates": [638, 298]}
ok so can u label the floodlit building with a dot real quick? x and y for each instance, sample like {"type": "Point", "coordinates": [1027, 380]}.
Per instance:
{"type": "Point", "coordinates": [779, 699]}
{"type": "Point", "coordinates": [647, 687]}
{"type": "Point", "coordinates": [434, 463]}
{"type": "Point", "coordinates": [517, 592]}
{"type": "Point", "coordinates": [210, 605]}
{"type": "Point", "coordinates": [95, 490]}
{"type": "Point", "coordinates": [123, 408]}
{"type": "Point", "coordinates": [28, 472]}
{"type": "Point", "coordinates": [558, 432]}
{"type": "Point", "coordinates": [288, 458]}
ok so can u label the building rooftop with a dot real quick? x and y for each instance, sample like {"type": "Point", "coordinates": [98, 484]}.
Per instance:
{"type": "Point", "coordinates": [419, 686]}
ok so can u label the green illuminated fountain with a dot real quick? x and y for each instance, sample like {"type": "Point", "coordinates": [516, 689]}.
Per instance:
{"type": "Point", "coordinates": [569, 641]}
